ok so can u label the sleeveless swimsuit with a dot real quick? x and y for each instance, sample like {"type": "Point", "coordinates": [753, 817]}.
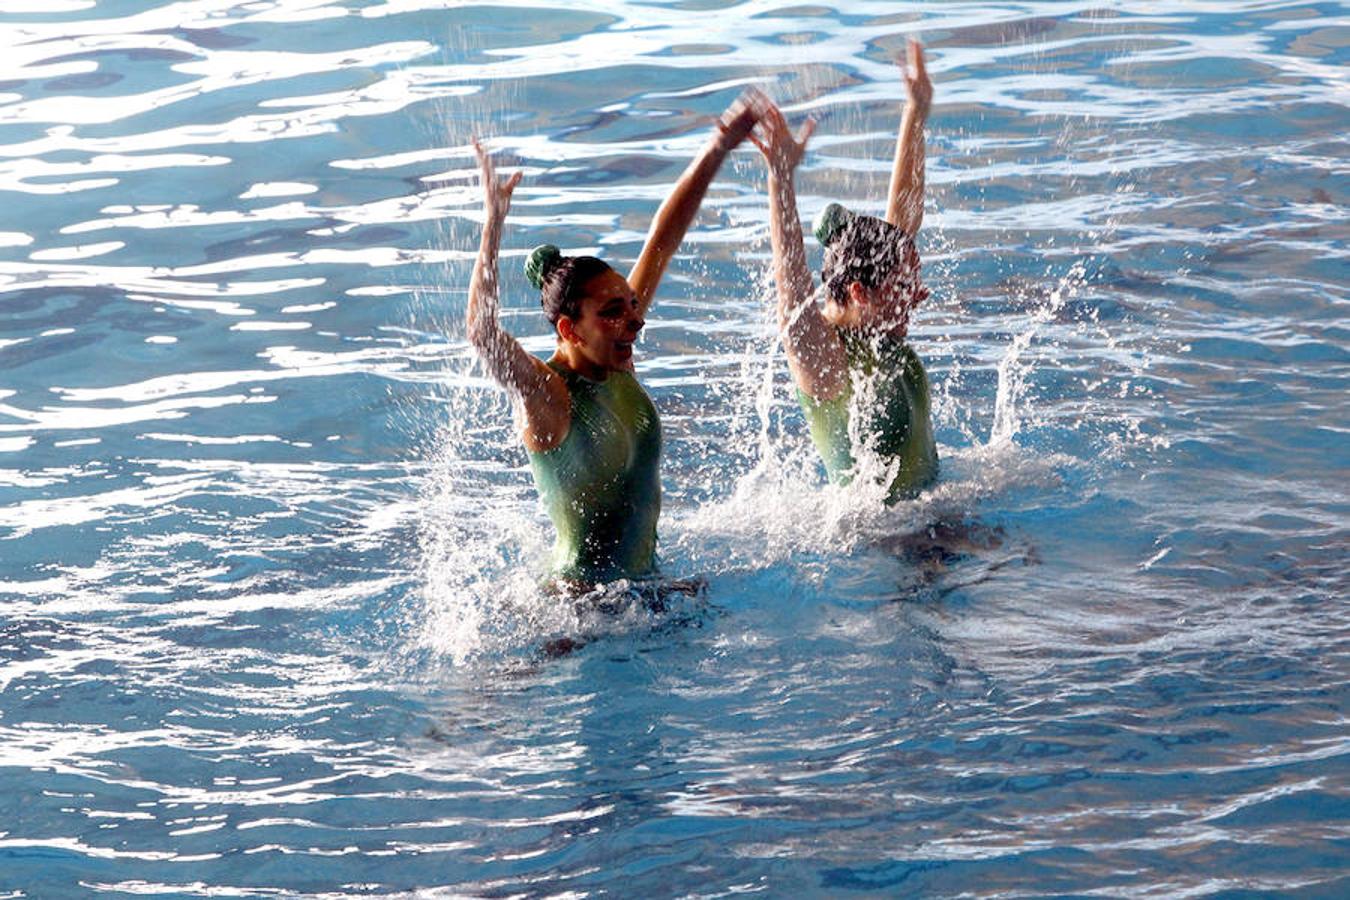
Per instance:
{"type": "Point", "coordinates": [602, 484]}
{"type": "Point", "coordinates": [894, 423]}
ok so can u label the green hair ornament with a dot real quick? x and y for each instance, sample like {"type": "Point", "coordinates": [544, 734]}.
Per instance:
{"type": "Point", "coordinates": [832, 220]}
{"type": "Point", "coordinates": [541, 260]}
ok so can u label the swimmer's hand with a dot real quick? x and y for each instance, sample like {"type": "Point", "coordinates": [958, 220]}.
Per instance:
{"type": "Point", "coordinates": [916, 78]}
{"type": "Point", "coordinates": [496, 194]}
{"type": "Point", "coordinates": [775, 140]}
{"type": "Point", "coordinates": [736, 123]}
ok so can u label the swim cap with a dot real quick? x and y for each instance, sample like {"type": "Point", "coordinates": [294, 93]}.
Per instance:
{"type": "Point", "coordinates": [541, 260]}
{"type": "Point", "coordinates": [830, 222]}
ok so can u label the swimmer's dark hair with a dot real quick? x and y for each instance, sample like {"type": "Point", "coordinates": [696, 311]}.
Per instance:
{"type": "Point", "coordinates": [857, 248]}
{"type": "Point", "coordinates": [561, 279]}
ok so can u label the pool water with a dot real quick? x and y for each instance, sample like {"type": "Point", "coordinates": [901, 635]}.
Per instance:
{"type": "Point", "coordinates": [270, 551]}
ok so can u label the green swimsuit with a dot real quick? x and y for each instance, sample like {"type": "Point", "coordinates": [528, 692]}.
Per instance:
{"type": "Point", "coordinates": [895, 418]}
{"type": "Point", "coordinates": [602, 484]}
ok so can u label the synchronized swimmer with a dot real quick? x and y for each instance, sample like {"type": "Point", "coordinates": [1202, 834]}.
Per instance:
{"type": "Point", "coordinates": [593, 435]}
{"type": "Point", "coordinates": [591, 431]}
{"type": "Point", "coordinates": [852, 333]}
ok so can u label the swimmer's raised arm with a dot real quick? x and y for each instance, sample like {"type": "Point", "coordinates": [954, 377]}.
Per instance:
{"type": "Point", "coordinates": [814, 351]}
{"type": "Point", "coordinates": [544, 401]}
{"type": "Point", "coordinates": [677, 212]}
{"type": "Point", "coordinates": [904, 204]}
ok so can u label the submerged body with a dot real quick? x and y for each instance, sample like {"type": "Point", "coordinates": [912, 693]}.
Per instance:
{"type": "Point", "coordinates": [885, 408]}
{"type": "Point", "coordinates": [602, 484]}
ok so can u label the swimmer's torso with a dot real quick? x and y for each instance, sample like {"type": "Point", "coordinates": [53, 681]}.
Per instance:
{"type": "Point", "coordinates": [887, 390]}
{"type": "Point", "coordinates": [602, 484]}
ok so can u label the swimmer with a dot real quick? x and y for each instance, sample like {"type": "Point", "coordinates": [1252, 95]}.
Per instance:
{"type": "Point", "coordinates": [848, 352]}
{"type": "Point", "coordinates": [591, 432]}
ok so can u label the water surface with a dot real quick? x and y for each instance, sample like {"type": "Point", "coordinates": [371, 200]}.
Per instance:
{"type": "Point", "coordinates": [268, 547]}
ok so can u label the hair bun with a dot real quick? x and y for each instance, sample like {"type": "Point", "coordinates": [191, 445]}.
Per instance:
{"type": "Point", "coordinates": [541, 261]}
{"type": "Point", "coordinates": [832, 220]}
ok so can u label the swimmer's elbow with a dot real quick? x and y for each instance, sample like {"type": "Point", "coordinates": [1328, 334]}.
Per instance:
{"type": "Point", "coordinates": [481, 330]}
{"type": "Point", "coordinates": [477, 334]}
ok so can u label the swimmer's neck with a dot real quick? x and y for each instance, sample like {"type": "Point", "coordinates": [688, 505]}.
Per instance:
{"type": "Point", "coordinates": [873, 332]}
{"type": "Point", "coordinates": [865, 323]}
{"type": "Point", "coordinates": [569, 358]}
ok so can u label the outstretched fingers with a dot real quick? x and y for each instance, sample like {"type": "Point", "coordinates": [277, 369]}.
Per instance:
{"type": "Point", "coordinates": [496, 194]}
{"type": "Point", "coordinates": [917, 65]}
{"type": "Point", "coordinates": [807, 129]}
{"type": "Point", "coordinates": [915, 68]}
{"type": "Point", "coordinates": [486, 170]}
{"type": "Point", "coordinates": [769, 129]}
{"type": "Point", "coordinates": [773, 119]}
{"type": "Point", "coordinates": [775, 139]}
{"type": "Point", "coordinates": [914, 65]}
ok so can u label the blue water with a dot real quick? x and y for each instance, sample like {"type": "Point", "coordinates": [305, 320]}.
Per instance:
{"type": "Point", "coordinates": [268, 547]}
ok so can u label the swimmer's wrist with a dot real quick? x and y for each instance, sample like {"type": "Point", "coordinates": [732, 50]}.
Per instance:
{"type": "Point", "coordinates": [721, 142]}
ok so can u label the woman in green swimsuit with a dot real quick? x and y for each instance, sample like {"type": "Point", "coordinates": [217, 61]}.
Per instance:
{"type": "Point", "coordinates": [592, 434]}
{"type": "Point", "coordinates": [862, 387]}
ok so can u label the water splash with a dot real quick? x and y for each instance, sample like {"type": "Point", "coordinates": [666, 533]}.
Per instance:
{"type": "Point", "coordinates": [1013, 369]}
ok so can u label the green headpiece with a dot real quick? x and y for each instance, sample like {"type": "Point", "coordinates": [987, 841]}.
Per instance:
{"type": "Point", "coordinates": [542, 259]}
{"type": "Point", "coordinates": [832, 220]}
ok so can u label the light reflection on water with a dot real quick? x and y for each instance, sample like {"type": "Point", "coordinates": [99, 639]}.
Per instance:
{"type": "Point", "coordinates": [268, 549]}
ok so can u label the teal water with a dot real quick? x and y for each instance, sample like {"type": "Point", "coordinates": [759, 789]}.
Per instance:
{"type": "Point", "coordinates": [268, 548]}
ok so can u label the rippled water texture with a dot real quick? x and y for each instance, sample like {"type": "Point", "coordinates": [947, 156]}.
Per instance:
{"type": "Point", "coordinates": [268, 548]}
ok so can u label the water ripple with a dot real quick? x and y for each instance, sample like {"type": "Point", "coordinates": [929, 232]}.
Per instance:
{"type": "Point", "coordinates": [268, 544]}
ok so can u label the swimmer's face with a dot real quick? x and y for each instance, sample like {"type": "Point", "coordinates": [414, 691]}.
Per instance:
{"type": "Point", "coordinates": [607, 325]}
{"type": "Point", "coordinates": [884, 307]}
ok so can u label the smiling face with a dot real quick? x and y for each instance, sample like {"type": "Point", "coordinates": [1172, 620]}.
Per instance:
{"type": "Point", "coordinates": [600, 339]}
